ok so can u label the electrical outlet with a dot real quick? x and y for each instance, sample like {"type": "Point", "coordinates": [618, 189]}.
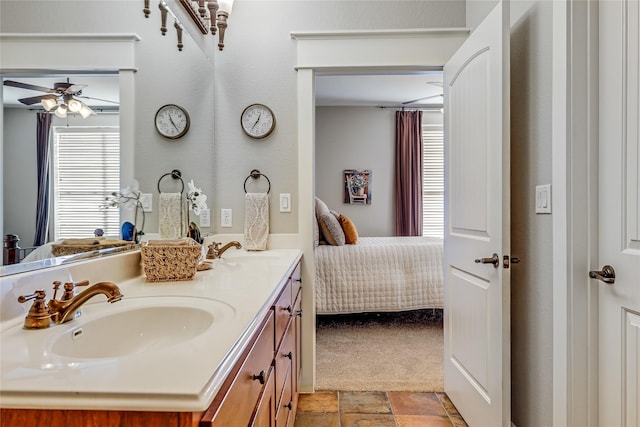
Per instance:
{"type": "Point", "coordinates": [146, 199]}
{"type": "Point", "coordinates": [205, 218]}
{"type": "Point", "coordinates": [226, 217]}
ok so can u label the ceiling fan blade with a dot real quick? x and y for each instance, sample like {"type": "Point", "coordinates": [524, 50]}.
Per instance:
{"type": "Point", "coordinates": [421, 99]}
{"type": "Point", "coordinates": [27, 86]}
{"type": "Point", "coordinates": [98, 99]}
{"type": "Point", "coordinates": [33, 99]}
{"type": "Point", "coordinates": [435, 83]}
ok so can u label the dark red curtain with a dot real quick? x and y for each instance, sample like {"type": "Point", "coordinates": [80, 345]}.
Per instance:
{"type": "Point", "coordinates": [408, 173]}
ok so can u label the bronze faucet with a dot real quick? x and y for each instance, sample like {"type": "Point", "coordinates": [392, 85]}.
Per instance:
{"type": "Point", "coordinates": [215, 251]}
{"type": "Point", "coordinates": [43, 315]}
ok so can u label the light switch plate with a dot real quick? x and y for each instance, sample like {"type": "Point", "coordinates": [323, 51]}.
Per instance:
{"type": "Point", "coordinates": [285, 202]}
{"type": "Point", "coordinates": [543, 199]}
{"type": "Point", "coordinates": [226, 217]}
{"type": "Point", "coordinates": [147, 202]}
{"type": "Point", "coordinates": [205, 218]}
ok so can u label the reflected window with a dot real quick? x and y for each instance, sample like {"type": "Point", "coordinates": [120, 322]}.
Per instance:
{"type": "Point", "coordinates": [86, 169]}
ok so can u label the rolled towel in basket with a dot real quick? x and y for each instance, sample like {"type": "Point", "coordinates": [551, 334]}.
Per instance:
{"type": "Point", "coordinates": [256, 221]}
{"type": "Point", "coordinates": [170, 215]}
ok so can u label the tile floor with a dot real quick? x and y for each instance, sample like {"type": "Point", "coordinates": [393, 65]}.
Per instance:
{"type": "Point", "coordinates": [377, 409]}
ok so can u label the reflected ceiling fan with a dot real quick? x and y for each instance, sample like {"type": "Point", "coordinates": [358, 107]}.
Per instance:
{"type": "Point", "coordinates": [62, 98]}
{"type": "Point", "coordinates": [424, 98]}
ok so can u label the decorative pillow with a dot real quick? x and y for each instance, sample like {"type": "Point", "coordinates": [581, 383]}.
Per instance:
{"type": "Point", "coordinates": [321, 209]}
{"type": "Point", "coordinates": [331, 229]}
{"type": "Point", "coordinates": [349, 229]}
{"type": "Point", "coordinates": [316, 232]}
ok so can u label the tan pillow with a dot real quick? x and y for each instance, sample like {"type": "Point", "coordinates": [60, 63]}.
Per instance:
{"type": "Point", "coordinates": [331, 229]}
{"type": "Point", "coordinates": [349, 229]}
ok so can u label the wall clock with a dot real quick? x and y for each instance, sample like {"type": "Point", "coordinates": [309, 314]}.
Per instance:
{"type": "Point", "coordinates": [258, 121]}
{"type": "Point", "coordinates": [172, 121]}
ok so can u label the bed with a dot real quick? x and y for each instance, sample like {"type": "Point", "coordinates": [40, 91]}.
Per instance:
{"type": "Point", "coordinates": [379, 274]}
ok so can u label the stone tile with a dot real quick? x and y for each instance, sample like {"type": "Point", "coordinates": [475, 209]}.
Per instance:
{"type": "Point", "coordinates": [318, 402]}
{"type": "Point", "coordinates": [367, 420]}
{"type": "Point", "coordinates": [317, 419]}
{"type": "Point", "coordinates": [410, 403]}
{"type": "Point", "coordinates": [364, 402]}
{"type": "Point", "coordinates": [423, 421]}
{"type": "Point", "coordinates": [453, 413]}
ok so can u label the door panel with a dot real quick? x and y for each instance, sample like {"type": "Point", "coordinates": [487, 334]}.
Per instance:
{"type": "Point", "coordinates": [619, 213]}
{"type": "Point", "coordinates": [477, 202]}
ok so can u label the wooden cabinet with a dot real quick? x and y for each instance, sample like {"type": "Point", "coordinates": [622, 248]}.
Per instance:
{"type": "Point", "coordinates": [259, 396]}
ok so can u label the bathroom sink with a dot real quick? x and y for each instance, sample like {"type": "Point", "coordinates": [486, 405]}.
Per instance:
{"type": "Point", "coordinates": [250, 258]}
{"type": "Point", "coordinates": [108, 331]}
{"type": "Point", "coordinates": [139, 325]}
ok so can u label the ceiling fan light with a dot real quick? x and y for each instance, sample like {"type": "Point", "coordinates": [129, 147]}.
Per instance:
{"type": "Point", "coordinates": [85, 111]}
{"type": "Point", "coordinates": [61, 111]}
{"type": "Point", "coordinates": [49, 103]}
{"type": "Point", "coordinates": [75, 105]}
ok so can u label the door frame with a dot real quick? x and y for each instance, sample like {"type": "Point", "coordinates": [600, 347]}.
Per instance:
{"type": "Point", "coordinates": [348, 52]}
{"type": "Point", "coordinates": [575, 212]}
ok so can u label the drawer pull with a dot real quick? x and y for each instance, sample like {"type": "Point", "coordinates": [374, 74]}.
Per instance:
{"type": "Point", "coordinates": [289, 406]}
{"type": "Point", "coordinates": [260, 377]}
{"type": "Point", "coordinates": [288, 308]}
{"type": "Point", "coordinates": [299, 313]}
{"type": "Point", "coordinates": [299, 280]}
{"type": "Point", "coordinates": [289, 355]}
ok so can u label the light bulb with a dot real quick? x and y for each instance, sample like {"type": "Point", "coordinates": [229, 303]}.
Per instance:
{"type": "Point", "coordinates": [85, 111]}
{"type": "Point", "coordinates": [74, 105]}
{"type": "Point", "coordinates": [225, 6]}
{"type": "Point", "coordinates": [49, 103]}
{"type": "Point", "coordinates": [61, 111]}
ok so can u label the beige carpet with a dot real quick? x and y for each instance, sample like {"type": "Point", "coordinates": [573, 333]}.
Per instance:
{"type": "Point", "coordinates": [380, 352]}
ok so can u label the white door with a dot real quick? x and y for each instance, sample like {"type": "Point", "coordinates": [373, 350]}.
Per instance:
{"type": "Point", "coordinates": [476, 325]}
{"type": "Point", "coordinates": [619, 216]}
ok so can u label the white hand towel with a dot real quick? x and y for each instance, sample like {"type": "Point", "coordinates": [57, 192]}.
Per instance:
{"type": "Point", "coordinates": [170, 215]}
{"type": "Point", "coordinates": [256, 221]}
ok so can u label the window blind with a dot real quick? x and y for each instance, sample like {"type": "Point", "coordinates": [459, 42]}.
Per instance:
{"type": "Point", "coordinates": [86, 170]}
{"type": "Point", "coordinates": [432, 180]}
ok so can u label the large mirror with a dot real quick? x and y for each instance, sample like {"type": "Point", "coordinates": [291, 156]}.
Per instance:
{"type": "Point", "coordinates": [131, 54]}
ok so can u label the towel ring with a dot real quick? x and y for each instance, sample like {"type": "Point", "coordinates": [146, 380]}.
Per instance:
{"type": "Point", "coordinates": [175, 174]}
{"type": "Point", "coordinates": [255, 174]}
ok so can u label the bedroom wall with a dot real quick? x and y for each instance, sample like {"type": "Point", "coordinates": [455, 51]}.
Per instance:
{"type": "Point", "coordinates": [359, 138]}
{"type": "Point", "coordinates": [531, 234]}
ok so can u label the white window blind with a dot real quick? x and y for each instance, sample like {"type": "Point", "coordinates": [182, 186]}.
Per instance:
{"type": "Point", "coordinates": [432, 180]}
{"type": "Point", "coordinates": [86, 170]}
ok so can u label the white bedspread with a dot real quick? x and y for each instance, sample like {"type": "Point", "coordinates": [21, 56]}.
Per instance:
{"type": "Point", "coordinates": [380, 274]}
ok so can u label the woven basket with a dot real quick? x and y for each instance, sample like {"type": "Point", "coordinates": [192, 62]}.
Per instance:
{"type": "Point", "coordinates": [58, 249]}
{"type": "Point", "coordinates": [169, 263]}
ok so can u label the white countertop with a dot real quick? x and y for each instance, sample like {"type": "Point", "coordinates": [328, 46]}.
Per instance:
{"type": "Point", "coordinates": [181, 377]}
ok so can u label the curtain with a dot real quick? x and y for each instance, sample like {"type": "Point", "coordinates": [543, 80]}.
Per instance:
{"type": "Point", "coordinates": [42, 151]}
{"type": "Point", "coordinates": [408, 173]}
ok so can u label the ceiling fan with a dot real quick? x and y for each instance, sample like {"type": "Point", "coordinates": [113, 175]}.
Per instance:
{"type": "Point", "coordinates": [62, 98]}
{"type": "Point", "coordinates": [434, 83]}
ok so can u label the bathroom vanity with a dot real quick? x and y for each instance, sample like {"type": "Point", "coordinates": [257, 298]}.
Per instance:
{"type": "Point", "coordinates": [222, 349]}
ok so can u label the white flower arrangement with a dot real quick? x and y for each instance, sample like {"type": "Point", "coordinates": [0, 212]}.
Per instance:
{"type": "Point", "coordinates": [358, 181]}
{"type": "Point", "coordinates": [128, 197]}
{"type": "Point", "coordinates": [196, 198]}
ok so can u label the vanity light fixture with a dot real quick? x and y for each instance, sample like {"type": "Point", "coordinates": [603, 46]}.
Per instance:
{"type": "Point", "coordinates": [210, 16]}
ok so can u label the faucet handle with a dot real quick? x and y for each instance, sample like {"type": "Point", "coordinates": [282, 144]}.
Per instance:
{"type": "Point", "coordinates": [69, 289]}
{"type": "Point", "coordinates": [39, 316]}
{"type": "Point", "coordinates": [212, 253]}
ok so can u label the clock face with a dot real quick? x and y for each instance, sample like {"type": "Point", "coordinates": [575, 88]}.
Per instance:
{"type": "Point", "coordinates": [258, 121]}
{"type": "Point", "coordinates": [172, 121]}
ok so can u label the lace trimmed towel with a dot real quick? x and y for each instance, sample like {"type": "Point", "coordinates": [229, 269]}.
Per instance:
{"type": "Point", "coordinates": [256, 221]}
{"type": "Point", "coordinates": [170, 215]}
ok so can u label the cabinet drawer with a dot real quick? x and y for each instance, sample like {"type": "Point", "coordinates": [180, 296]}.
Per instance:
{"type": "Point", "coordinates": [285, 409]}
{"type": "Point", "coordinates": [266, 410]}
{"type": "Point", "coordinates": [283, 309]}
{"type": "Point", "coordinates": [239, 403]}
{"type": "Point", "coordinates": [284, 361]}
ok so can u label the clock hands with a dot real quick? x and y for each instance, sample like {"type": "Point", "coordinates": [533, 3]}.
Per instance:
{"type": "Point", "coordinates": [173, 123]}
{"type": "Point", "coordinates": [257, 120]}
